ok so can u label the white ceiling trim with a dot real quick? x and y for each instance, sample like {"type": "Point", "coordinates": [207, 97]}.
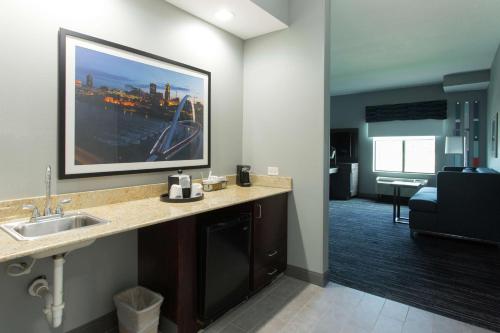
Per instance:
{"type": "Point", "coordinates": [250, 20]}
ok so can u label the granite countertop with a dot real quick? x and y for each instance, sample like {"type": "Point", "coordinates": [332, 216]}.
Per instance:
{"type": "Point", "coordinates": [132, 215]}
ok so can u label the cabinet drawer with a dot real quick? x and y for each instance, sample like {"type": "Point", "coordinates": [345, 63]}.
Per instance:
{"type": "Point", "coordinates": [269, 240]}
{"type": "Point", "coordinates": [266, 257]}
{"type": "Point", "coordinates": [264, 274]}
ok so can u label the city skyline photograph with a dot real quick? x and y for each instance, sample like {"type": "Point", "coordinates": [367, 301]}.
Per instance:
{"type": "Point", "coordinates": [133, 111]}
{"type": "Point", "coordinates": [124, 74]}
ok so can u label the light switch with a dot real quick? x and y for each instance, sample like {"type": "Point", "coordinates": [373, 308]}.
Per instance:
{"type": "Point", "coordinates": [273, 171]}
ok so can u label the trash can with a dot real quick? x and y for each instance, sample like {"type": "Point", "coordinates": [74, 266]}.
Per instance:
{"type": "Point", "coordinates": [138, 310]}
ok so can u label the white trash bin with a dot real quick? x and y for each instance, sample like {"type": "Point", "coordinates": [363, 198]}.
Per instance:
{"type": "Point", "coordinates": [138, 310]}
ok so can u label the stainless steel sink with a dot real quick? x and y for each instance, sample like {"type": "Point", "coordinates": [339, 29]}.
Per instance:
{"type": "Point", "coordinates": [27, 230]}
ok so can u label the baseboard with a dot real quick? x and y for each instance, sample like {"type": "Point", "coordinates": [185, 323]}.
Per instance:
{"type": "Point", "coordinates": [308, 276]}
{"type": "Point", "coordinates": [387, 198]}
{"type": "Point", "coordinates": [368, 196]}
{"type": "Point", "coordinates": [105, 324]}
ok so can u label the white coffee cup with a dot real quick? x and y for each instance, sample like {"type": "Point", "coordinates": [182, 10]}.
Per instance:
{"type": "Point", "coordinates": [175, 192]}
{"type": "Point", "coordinates": [196, 190]}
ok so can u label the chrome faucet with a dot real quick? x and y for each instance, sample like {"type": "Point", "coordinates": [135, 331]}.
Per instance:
{"type": "Point", "coordinates": [59, 209]}
{"type": "Point", "coordinates": [47, 212]}
{"type": "Point", "coordinates": [34, 212]}
{"type": "Point", "coordinates": [48, 176]}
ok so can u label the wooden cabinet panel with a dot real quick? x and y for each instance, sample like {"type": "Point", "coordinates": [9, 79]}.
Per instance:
{"type": "Point", "coordinates": [168, 265]}
{"type": "Point", "coordinates": [168, 257]}
{"type": "Point", "coordinates": [268, 223]}
{"type": "Point", "coordinates": [269, 240]}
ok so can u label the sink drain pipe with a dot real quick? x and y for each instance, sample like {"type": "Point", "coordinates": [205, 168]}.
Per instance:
{"type": "Point", "coordinates": [54, 304]}
{"type": "Point", "coordinates": [58, 304]}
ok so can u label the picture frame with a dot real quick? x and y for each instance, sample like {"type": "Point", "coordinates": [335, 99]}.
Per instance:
{"type": "Point", "coordinates": [125, 111]}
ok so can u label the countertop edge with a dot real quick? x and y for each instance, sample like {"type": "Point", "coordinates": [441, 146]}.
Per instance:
{"type": "Point", "coordinates": [76, 238]}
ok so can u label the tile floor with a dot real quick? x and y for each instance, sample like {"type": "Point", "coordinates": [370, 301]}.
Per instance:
{"type": "Point", "coordinates": [291, 305]}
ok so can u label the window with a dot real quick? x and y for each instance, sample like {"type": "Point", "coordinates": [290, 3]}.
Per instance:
{"type": "Point", "coordinates": [412, 154]}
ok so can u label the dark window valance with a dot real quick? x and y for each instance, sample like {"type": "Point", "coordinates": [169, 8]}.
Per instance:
{"type": "Point", "coordinates": [407, 111]}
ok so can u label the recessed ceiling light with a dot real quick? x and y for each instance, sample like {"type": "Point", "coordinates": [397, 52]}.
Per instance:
{"type": "Point", "coordinates": [224, 15]}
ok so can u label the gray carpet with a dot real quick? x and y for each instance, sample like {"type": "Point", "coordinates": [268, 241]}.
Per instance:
{"type": "Point", "coordinates": [368, 252]}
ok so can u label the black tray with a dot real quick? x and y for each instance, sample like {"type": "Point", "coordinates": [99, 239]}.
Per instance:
{"type": "Point", "coordinates": [165, 198]}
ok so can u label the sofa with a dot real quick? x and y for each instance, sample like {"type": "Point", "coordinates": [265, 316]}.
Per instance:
{"type": "Point", "coordinates": [465, 204]}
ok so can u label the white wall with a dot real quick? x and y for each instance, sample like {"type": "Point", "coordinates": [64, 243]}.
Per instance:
{"type": "Point", "coordinates": [493, 106]}
{"type": "Point", "coordinates": [28, 130]}
{"type": "Point", "coordinates": [28, 63]}
{"type": "Point", "coordinates": [284, 119]}
{"type": "Point", "coordinates": [348, 111]}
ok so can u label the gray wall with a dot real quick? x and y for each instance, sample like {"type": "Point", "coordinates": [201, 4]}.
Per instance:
{"type": "Point", "coordinates": [92, 275]}
{"type": "Point", "coordinates": [28, 135]}
{"type": "Point", "coordinates": [348, 111]}
{"type": "Point", "coordinates": [285, 119]}
{"type": "Point", "coordinates": [28, 112]}
{"type": "Point", "coordinates": [493, 106]}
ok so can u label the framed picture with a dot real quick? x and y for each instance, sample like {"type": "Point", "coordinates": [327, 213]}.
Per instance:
{"type": "Point", "coordinates": [494, 136]}
{"type": "Point", "coordinates": [122, 110]}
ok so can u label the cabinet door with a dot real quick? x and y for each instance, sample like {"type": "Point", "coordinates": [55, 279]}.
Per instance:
{"type": "Point", "coordinates": [269, 239]}
{"type": "Point", "coordinates": [268, 222]}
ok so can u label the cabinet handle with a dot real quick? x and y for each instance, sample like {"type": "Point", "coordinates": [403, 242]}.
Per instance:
{"type": "Point", "coordinates": [260, 211]}
{"type": "Point", "coordinates": [274, 271]}
{"type": "Point", "coordinates": [272, 254]}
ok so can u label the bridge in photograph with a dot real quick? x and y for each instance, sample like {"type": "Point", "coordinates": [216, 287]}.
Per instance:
{"type": "Point", "coordinates": [180, 140]}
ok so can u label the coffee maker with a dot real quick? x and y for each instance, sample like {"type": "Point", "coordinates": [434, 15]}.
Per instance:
{"type": "Point", "coordinates": [243, 175]}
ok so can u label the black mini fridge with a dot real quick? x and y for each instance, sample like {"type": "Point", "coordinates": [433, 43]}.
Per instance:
{"type": "Point", "coordinates": [224, 263]}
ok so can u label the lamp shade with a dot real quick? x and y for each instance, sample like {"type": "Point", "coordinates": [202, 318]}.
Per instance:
{"type": "Point", "coordinates": [454, 145]}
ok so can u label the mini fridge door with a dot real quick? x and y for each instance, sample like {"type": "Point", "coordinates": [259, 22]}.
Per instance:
{"type": "Point", "coordinates": [225, 265]}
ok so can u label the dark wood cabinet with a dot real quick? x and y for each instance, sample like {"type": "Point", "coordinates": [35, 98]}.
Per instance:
{"type": "Point", "coordinates": [168, 266]}
{"type": "Point", "coordinates": [269, 240]}
{"type": "Point", "coordinates": [168, 257]}
{"type": "Point", "coordinates": [344, 183]}
{"type": "Point", "coordinates": [345, 143]}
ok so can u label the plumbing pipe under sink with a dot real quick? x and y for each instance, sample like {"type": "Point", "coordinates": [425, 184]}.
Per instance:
{"type": "Point", "coordinates": [38, 227]}
{"type": "Point", "coordinates": [54, 304]}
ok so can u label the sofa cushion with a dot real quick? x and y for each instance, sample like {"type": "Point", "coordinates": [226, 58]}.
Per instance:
{"type": "Point", "coordinates": [469, 170]}
{"type": "Point", "coordinates": [486, 170]}
{"type": "Point", "coordinates": [425, 200]}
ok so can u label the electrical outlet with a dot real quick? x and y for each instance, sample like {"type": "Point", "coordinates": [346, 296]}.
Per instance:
{"type": "Point", "coordinates": [273, 171]}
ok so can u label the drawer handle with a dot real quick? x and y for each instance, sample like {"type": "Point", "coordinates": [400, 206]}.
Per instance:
{"type": "Point", "coordinates": [274, 271]}
{"type": "Point", "coordinates": [272, 254]}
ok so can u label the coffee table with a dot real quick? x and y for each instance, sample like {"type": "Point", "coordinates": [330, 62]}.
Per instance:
{"type": "Point", "coordinates": [397, 184]}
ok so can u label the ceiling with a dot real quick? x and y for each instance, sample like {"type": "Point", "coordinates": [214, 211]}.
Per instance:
{"type": "Point", "coordinates": [387, 44]}
{"type": "Point", "coordinates": [250, 20]}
